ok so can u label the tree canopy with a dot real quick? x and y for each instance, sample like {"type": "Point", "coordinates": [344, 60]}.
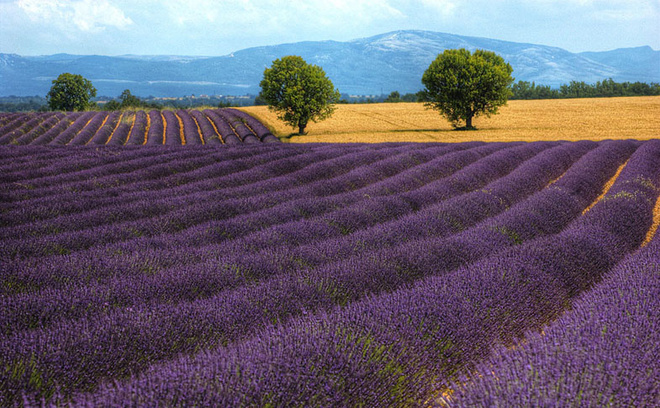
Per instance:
{"type": "Point", "coordinates": [462, 85]}
{"type": "Point", "coordinates": [70, 93]}
{"type": "Point", "coordinates": [298, 92]}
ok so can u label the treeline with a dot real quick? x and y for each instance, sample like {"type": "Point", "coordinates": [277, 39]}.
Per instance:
{"type": "Point", "coordinates": [529, 90]}
{"type": "Point", "coordinates": [521, 90]}
{"type": "Point", "coordinates": [23, 103]}
{"type": "Point", "coordinates": [601, 89]}
{"type": "Point", "coordinates": [129, 101]}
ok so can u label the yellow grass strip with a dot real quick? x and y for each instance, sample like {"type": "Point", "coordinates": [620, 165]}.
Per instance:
{"type": "Point", "coordinates": [656, 223]}
{"type": "Point", "coordinates": [233, 129]}
{"type": "Point", "coordinates": [81, 129]}
{"type": "Point", "coordinates": [199, 130]}
{"type": "Point", "coordinates": [107, 115]}
{"type": "Point", "coordinates": [130, 131]}
{"type": "Point", "coordinates": [146, 131]}
{"type": "Point", "coordinates": [181, 135]}
{"type": "Point", "coordinates": [607, 187]}
{"type": "Point", "coordinates": [116, 126]}
{"type": "Point", "coordinates": [557, 179]}
{"type": "Point", "coordinates": [216, 129]}
{"type": "Point", "coordinates": [162, 118]}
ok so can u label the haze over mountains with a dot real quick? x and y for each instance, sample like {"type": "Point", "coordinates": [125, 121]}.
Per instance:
{"type": "Point", "coordinates": [366, 66]}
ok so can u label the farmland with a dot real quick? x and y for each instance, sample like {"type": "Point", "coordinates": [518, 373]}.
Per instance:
{"type": "Point", "coordinates": [278, 274]}
{"type": "Point", "coordinates": [567, 119]}
{"type": "Point", "coordinates": [118, 128]}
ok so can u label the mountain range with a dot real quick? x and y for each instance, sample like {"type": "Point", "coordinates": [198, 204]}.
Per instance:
{"type": "Point", "coordinates": [367, 66]}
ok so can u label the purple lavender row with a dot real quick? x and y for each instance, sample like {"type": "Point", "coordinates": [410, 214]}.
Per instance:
{"type": "Point", "coordinates": [14, 162]}
{"type": "Point", "coordinates": [262, 294]}
{"type": "Point", "coordinates": [43, 127]}
{"type": "Point", "coordinates": [9, 155]}
{"type": "Point", "coordinates": [120, 134]}
{"type": "Point", "coordinates": [238, 177]}
{"type": "Point", "coordinates": [237, 170]}
{"type": "Point", "coordinates": [155, 133]}
{"type": "Point", "coordinates": [190, 131]}
{"type": "Point", "coordinates": [80, 163]}
{"type": "Point", "coordinates": [374, 214]}
{"type": "Point", "coordinates": [88, 132]}
{"type": "Point", "coordinates": [172, 129]}
{"type": "Point", "coordinates": [239, 125]}
{"type": "Point", "coordinates": [12, 165]}
{"type": "Point", "coordinates": [15, 125]}
{"type": "Point", "coordinates": [9, 137]}
{"type": "Point", "coordinates": [231, 172]}
{"type": "Point", "coordinates": [459, 213]}
{"type": "Point", "coordinates": [365, 206]}
{"type": "Point", "coordinates": [601, 353]}
{"type": "Point", "coordinates": [138, 133]}
{"type": "Point", "coordinates": [70, 133]}
{"type": "Point", "coordinates": [73, 200]}
{"type": "Point", "coordinates": [77, 173]}
{"type": "Point", "coordinates": [255, 267]}
{"type": "Point", "coordinates": [74, 173]}
{"type": "Point", "coordinates": [116, 209]}
{"type": "Point", "coordinates": [6, 118]}
{"type": "Point", "coordinates": [184, 218]}
{"type": "Point", "coordinates": [60, 127]}
{"type": "Point", "coordinates": [262, 132]}
{"type": "Point", "coordinates": [226, 132]}
{"type": "Point", "coordinates": [399, 348]}
{"type": "Point", "coordinates": [107, 254]}
{"type": "Point", "coordinates": [289, 295]}
{"type": "Point", "coordinates": [209, 134]}
{"type": "Point", "coordinates": [18, 125]}
{"type": "Point", "coordinates": [107, 159]}
{"type": "Point", "coordinates": [104, 132]}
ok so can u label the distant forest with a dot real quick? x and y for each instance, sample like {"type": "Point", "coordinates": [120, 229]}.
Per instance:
{"type": "Point", "coordinates": [605, 89]}
{"type": "Point", "coordinates": [521, 90]}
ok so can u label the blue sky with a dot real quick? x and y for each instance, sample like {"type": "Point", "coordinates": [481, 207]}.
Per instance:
{"type": "Point", "coordinates": [208, 27]}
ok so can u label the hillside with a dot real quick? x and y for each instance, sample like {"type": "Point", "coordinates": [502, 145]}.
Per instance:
{"type": "Point", "coordinates": [367, 66]}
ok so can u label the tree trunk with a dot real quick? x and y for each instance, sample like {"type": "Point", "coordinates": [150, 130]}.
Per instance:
{"type": "Point", "coordinates": [468, 122]}
{"type": "Point", "coordinates": [301, 128]}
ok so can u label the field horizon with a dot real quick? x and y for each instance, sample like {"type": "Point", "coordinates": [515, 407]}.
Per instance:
{"type": "Point", "coordinates": [520, 120]}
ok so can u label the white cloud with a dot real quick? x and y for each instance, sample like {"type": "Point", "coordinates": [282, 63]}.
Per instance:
{"type": "Point", "coordinates": [445, 7]}
{"type": "Point", "coordinates": [183, 12]}
{"type": "Point", "coordinates": [85, 15]}
{"type": "Point", "coordinates": [216, 27]}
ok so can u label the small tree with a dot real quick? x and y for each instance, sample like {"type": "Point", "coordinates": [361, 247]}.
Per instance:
{"type": "Point", "coordinates": [298, 92]}
{"type": "Point", "coordinates": [128, 100]}
{"type": "Point", "coordinates": [393, 97]}
{"type": "Point", "coordinates": [462, 85]}
{"type": "Point", "coordinates": [70, 93]}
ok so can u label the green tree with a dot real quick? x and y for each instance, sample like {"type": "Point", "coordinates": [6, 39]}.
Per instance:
{"type": "Point", "coordinates": [70, 93]}
{"type": "Point", "coordinates": [462, 85]}
{"type": "Point", "coordinates": [393, 97]}
{"type": "Point", "coordinates": [298, 92]}
{"type": "Point", "coordinates": [128, 100]}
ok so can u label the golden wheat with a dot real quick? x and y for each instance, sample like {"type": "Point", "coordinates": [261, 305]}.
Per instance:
{"type": "Point", "coordinates": [565, 119]}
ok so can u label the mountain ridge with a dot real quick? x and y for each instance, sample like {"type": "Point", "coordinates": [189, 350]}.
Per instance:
{"type": "Point", "coordinates": [366, 66]}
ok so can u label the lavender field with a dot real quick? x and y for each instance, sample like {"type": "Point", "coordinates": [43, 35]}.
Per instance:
{"type": "Point", "coordinates": [181, 127]}
{"type": "Point", "coordinates": [469, 274]}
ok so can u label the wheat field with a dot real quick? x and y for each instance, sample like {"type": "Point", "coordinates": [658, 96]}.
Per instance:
{"type": "Point", "coordinates": [566, 119]}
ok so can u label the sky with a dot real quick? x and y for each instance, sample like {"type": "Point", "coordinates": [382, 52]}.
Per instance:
{"type": "Point", "coordinates": [214, 28]}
